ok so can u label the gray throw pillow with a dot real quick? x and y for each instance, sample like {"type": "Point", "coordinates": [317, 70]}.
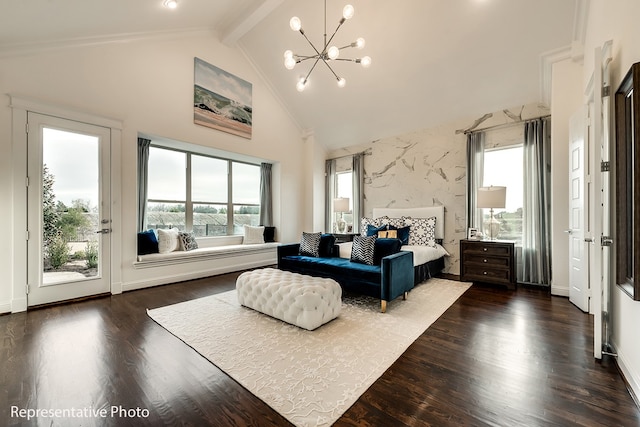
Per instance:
{"type": "Point", "coordinates": [362, 249]}
{"type": "Point", "coordinates": [310, 244]}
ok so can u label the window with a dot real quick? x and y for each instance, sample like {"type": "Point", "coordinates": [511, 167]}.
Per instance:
{"type": "Point", "coordinates": [344, 188]}
{"type": "Point", "coordinates": [209, 195]}
{"type": "Point", "coordinates": [504, 167]}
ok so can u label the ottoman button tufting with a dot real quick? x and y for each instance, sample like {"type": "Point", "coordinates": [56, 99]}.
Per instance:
{"type": "Point", "coordinates": [291, 297]}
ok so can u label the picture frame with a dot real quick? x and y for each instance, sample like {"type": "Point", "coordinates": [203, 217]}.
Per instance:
{"type": "Point", "coordinates": [472, 233]}
{"type": "Point", "coordinates": [221, 100]}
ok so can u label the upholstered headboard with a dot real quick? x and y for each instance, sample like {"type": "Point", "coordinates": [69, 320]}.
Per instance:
{"type": "Point", "coordinates": [425, 212]}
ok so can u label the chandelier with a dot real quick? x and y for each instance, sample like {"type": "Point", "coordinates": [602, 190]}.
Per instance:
{"type": "Point", "coordinates": [328, 52]}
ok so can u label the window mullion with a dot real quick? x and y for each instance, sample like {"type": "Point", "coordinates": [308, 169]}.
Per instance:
{"type": "Point", "coordinates": [229, 198]}
{"type": "Point", "coordinates": [188, 208]}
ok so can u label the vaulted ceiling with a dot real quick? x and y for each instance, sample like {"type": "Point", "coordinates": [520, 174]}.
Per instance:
{"type": "Point", "coordinates": [433, 61]}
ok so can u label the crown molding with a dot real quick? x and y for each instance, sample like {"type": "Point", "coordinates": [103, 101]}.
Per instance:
{"type": "Point", "coordinates": [547, 60]}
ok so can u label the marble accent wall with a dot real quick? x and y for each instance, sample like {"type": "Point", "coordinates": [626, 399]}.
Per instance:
{"type": "Point", "coordinates": [428, 167]}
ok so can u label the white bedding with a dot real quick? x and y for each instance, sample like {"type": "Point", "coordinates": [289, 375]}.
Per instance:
{"type": "Point", "coordinates": [421, 254]}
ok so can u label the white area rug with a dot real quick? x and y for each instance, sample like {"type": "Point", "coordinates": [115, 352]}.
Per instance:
{"type": "Point", "coordinates": [309, 377]}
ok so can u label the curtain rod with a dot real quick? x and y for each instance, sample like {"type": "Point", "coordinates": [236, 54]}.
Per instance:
{"type": "Point", "coordinates": [502, 125]}
{"type": "Point", "coordinates": [346, 155]}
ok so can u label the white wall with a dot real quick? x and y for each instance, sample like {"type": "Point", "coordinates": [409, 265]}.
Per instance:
{"type": "Point", "coordinates": [148, 85]}
{"type": "Point", "coordinates": [617, 20]}
{"type": "Point", "coordinates": [566, 98]}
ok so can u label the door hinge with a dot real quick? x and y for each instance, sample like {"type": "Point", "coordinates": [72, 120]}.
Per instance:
{"type": "Point", "coordinates": [26, 182]}
{"type": "Point", "coordinates": [605, 166]}
{"type": "Point", "coordinates": [27, 235]}
{"type": "Point", "coordinates": [606, 241]}
{"type": "Point", "coordinates": [606, 91]}
{"type": "Point", "coordinates": [27, 289]}
{"type": "Point", "coordinates": [26, 127]}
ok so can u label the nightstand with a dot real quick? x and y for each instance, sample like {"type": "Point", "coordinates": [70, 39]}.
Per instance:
{"type": "Point", "coordinates": [488, 261]}
{"type": "Point", "coordinates": [344, 237]}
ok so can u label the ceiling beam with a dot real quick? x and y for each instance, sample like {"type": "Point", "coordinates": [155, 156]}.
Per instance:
{"type": "Point", "coordinates": [248, 20]}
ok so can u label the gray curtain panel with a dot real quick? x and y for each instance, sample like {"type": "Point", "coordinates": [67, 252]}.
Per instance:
{"type": "Point", "coordinates": [536, 239]}
{"type": "Point", "coordinates": [143, 172]}
{"type": "Point", "coordinates": [330, 177]}
{"type": "Point", "coordinates": [266, 195]}
{"type": "Point", "coordinates": [475, 174]}
{"type": "Point", "coordinates": [358, 190]}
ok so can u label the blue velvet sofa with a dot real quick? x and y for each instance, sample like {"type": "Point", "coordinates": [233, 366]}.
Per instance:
{"type": "Point", "coordinates": [391, 275]}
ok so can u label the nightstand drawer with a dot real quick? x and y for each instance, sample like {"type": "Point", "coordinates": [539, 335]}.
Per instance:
{"type": "Point", "coordinates": [490, 275]}
{"type": "Point", "coordinates": [492, 261]}
{"type": "Point", "coordinates": [488, 249]}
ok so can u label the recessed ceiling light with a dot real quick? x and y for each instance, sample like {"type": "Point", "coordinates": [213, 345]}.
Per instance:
{"type": "Point", "coordinates": [171, 4]}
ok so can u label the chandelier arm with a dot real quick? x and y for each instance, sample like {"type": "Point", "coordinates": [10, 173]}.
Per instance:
{"type": "Point", "coordinates": [309, 41]}
{"type": "Point", "coordinates": [312, 67]}
{"type": "Point", "coordinates": [329, 67]}
{"type": "Point", "coordinates": [304, 58]}
{"type": "Point", "coordinates": [326, 43]}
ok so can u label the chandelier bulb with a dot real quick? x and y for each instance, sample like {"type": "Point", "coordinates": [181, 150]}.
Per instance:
{"type": "Point", "coordinates": [360, 43]}
{"type": "Point", "coordinates": [289, 63]}
{"type": "Point", "coordinates": [333, 52]}
{"type": "Point", "coordinates": [295, 23]}
{"type": "Point", "coordinates": [348, 11]}
{"type": "Point", "coordinates": [341, 82]}
{"type": "Point", "coordinates": [288, 54]}
{"type": "Point", "coordinates": [171, 4]}
{"type": "Point", "coordinates": [302, 83]}
{"type": "Point", "coordinates": [365, 61]}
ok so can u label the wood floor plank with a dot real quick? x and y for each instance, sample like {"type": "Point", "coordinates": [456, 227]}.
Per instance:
{"type": "Point", "coordinates": [495, 358]}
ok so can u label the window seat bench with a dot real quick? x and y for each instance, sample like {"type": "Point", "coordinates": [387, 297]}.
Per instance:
{"type": "Point", "coordinates": [206, 253]}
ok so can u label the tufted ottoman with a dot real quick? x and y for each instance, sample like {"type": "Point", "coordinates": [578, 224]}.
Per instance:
{"type": "Point", "coordinates": [304, 301]}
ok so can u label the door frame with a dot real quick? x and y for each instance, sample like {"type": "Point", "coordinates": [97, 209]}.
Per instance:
{"type": "Point", "coordinates": [20, 105]}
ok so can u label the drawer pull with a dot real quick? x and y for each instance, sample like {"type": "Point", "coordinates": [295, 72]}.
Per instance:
{"type": "Point", "coordinates": [484, 272]}
{"type": "Point", "coordinates": [484, 260]}
{"type": "Point", "coordinates": [484, 249]}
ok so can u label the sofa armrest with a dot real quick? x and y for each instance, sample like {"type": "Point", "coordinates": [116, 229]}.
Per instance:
{"type": "Point", "coordinates": [397, 275]}
{"type": "Point", "coordinates": [289, 249]}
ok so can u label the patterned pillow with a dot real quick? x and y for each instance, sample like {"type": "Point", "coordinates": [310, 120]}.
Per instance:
{"type": "Point", "coordinates": [423, 231]}
{"type": "Point", "coordinates": [364, 224]}
{"type": "Point", "coordinates": [395, 222]}
{"type": "Point", "coordinates": [310, 244]}
{"type": "Point", "coordinates": [187, 241]}
{"type": "Point", "coordinates": [362, 249]}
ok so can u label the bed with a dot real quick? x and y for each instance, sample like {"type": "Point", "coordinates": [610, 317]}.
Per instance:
{"type": "Point", "coordinates": [427, 261]}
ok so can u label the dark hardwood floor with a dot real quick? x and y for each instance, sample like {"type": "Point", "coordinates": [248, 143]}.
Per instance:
{"type": "Point", "coordinates": [495, 358]}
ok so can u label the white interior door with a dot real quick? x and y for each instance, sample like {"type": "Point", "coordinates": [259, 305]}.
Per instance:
{"type": "Point", "coordinates": [68, 197]}
{"type": "Point", "coordinates": [579, 237]}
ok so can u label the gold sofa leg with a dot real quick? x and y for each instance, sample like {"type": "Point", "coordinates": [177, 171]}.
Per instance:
{"type": "Point", "coordinates": [405, 295]}
{"type": "Point", "coordinates": [383, 306]}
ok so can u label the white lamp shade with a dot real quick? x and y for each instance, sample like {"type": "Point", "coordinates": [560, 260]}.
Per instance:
{"type": "Point", "coordinates": [492, 197]}
{"type": "Point", "coordinates": [341, 204]}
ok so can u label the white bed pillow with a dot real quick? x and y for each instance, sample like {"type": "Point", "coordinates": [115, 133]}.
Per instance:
{"type": "Point", "coordinates": [168, 240]}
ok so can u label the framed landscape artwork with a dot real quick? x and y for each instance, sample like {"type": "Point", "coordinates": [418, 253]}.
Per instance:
{"type": "Point", "coordinates": [221, 100]}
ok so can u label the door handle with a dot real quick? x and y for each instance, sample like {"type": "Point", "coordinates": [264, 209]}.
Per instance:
{"type": "Point", "coordinates": [568, 231]}
{"type": "Point", "coordinates": [588, 240]}
{"type": "Point", "coordinates": [104, 231]}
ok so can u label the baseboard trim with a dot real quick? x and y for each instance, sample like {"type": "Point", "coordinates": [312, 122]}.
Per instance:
{"type": "Point", "coordinates": [559, 291]}
{"type": "Point", "coordinates": [5, 307]}
{"type": "Point", "coordinates": [631, 379]}
{"type": "Point", "coordinates": [165, 280]}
